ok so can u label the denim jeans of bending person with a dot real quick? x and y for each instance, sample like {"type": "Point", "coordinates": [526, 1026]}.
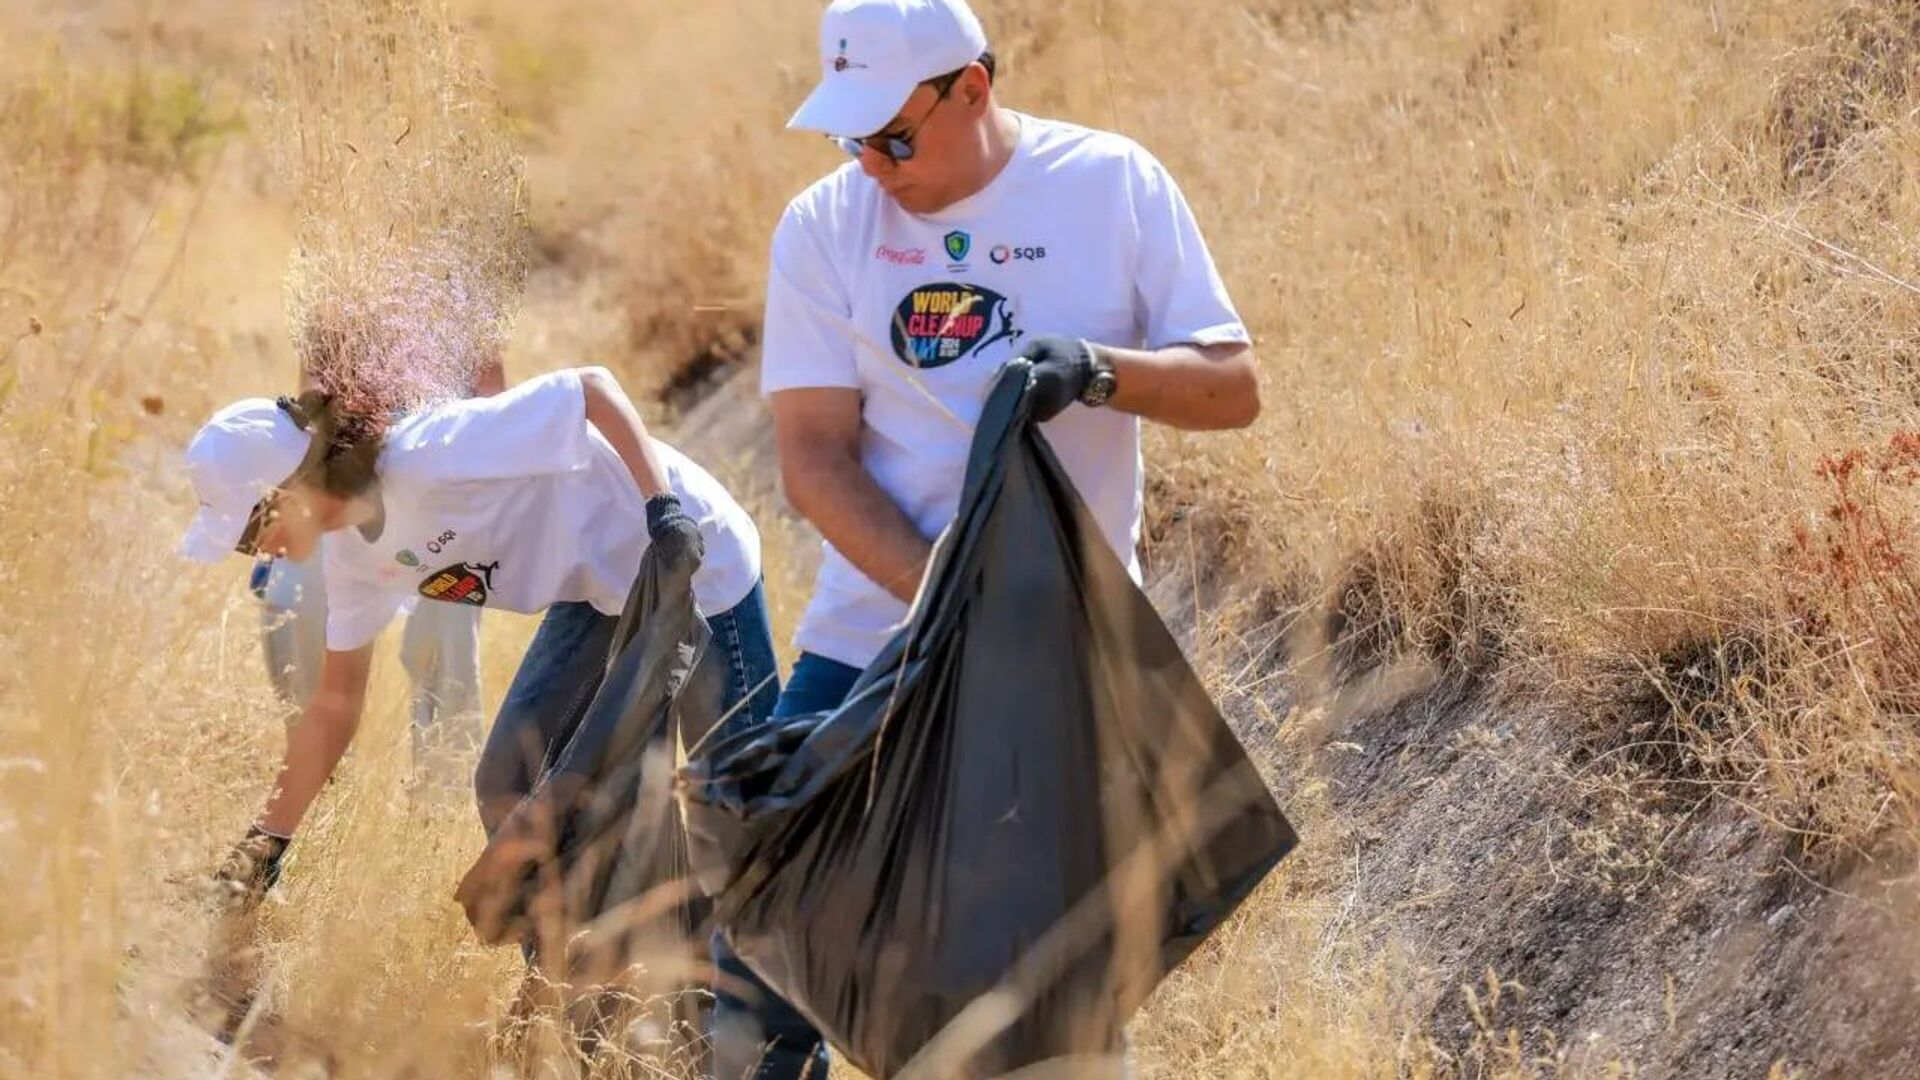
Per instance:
{"type": "Point", "coordinates": [439, 648]}
{"type": "Point", "coordinates": [557, 680]}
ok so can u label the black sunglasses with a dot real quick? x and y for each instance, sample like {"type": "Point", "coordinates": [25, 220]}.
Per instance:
{"type": "Point", "coordinates": [263, 512]}
{"type": "Point", "coordinates": [898, 148]}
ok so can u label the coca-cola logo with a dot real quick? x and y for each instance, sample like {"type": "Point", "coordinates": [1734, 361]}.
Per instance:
{"type": "Point", "coordinates": [901, 256]}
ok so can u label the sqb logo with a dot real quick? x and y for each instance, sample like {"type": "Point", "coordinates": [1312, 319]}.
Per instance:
{"type": "Point", "coordinates": [1001, 253]}
{"type": "Point", "coordinates": [439, 543]}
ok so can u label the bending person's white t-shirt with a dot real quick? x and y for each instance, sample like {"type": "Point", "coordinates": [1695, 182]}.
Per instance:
{"type": "Point", "coordinates": [516, 502]}
{"type": "Point", "coordinates": [1083, 234]}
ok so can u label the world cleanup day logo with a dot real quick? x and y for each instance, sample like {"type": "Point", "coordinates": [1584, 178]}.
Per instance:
{"type": "Point", "coordinates": [938, 324]}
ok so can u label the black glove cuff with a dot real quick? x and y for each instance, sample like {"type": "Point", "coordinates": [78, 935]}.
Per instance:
{"type": "Point", "coordinates": [1083, 355]}
{"type": "Point", "coordinates": [661, 509]}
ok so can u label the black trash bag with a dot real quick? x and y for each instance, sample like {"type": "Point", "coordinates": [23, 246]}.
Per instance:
{"type": "Point", "coordinates": [595, 856]}
{"type": "Point", "coordinates": [931, 873]}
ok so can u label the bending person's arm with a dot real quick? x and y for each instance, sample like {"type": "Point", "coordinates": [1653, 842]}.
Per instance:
{"type": "Point", "coordinates": [316, 741]}
{"type": "Point", "coordinates": [817, 434]}
{"type": "Point", "coordinates": [611, 412]}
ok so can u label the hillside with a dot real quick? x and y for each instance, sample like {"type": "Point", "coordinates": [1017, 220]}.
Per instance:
{"type": "Point", "coordinates": [1565, 587]}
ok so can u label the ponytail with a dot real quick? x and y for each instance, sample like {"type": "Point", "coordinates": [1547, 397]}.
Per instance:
{"type": "Point", "coordinates": [341, 457]}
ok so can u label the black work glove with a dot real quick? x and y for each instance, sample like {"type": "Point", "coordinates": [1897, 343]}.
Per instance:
{"type": "Point", "coordinates": [1062, 367]}
{"type": "Point", "coordinates": [251, 869]}
{"type": "Point", "coordinates": [670, 526]}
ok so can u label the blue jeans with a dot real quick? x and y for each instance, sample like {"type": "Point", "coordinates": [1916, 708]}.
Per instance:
{"type": "Point", "coordinates": [816, 685]}
{"type": "Point", "coordinates": [756, 1035]}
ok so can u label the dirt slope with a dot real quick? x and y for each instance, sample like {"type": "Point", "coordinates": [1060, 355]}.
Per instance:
{"type": "Point", "coordinates": [1682, 940]}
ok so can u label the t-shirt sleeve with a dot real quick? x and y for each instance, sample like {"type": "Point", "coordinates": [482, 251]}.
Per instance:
{"type": "Point", "coordinates": [356, 610]}
{"type": "Point", "coordinates": [1181, 297]}
{"type": "Point", "coordinates": [535, 428]}
{"type": "Point", "coordinates": [805, 341]}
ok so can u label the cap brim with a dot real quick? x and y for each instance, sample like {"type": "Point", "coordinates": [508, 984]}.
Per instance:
{"type": "Point", "coordinates": [212, 535]}
{"type": "Point", "coordinates": [846, 103]}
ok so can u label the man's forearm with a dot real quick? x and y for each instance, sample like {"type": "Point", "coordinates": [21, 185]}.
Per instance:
{"type": "Point", "coordinates": [1199, 388]}
{"type": "Point", "coordinates": [862, 522]}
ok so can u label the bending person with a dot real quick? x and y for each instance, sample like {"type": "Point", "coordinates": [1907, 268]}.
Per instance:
{"type": "Point", "coordinates": [543, 498]}
{"type": "Point", "coordinates": [440, 647]}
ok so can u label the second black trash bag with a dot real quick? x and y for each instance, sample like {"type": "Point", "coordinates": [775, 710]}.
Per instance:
{"type": "Point", "coordinates": [1026, 813]}
{"type": "Point", "coordinates": [594, 856]}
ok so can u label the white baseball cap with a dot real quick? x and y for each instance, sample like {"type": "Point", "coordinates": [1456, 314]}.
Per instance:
{"type": "Point", "coordinates": [874, 52]}
{"type": "Point", "coordinates": [248, 449]}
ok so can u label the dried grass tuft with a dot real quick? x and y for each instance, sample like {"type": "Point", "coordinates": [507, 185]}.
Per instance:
{"type": "Point", "coordinates": [412, 236]}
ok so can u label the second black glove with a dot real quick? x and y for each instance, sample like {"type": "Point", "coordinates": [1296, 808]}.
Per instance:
{"type": "Point", "coordinates": [1062, 367]}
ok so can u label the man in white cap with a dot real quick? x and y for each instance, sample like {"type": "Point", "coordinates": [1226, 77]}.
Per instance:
{"type": "Point", "coordinates": [543, 498]}
{"type": "Point", "coordinates": [965, 234]}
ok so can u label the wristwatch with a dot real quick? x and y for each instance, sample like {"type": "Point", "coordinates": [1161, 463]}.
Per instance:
{"type": "Point", "coordinates": [1101, 384]}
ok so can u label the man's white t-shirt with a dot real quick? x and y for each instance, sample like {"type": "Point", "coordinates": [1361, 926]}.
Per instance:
{"type": "Point", "coordinates": [516, 502]}
{"type": "Point", "coordinates": [1083, 234]}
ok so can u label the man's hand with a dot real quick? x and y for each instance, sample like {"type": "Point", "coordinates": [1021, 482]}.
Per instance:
{"type": "Point", "coordinates": [251, 869]}
{"type": "Point", "coordinates": [1062, 367]}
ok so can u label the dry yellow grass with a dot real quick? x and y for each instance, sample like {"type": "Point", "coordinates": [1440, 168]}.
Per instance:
{"type": "Point", "coordinates": [1561, 308]}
